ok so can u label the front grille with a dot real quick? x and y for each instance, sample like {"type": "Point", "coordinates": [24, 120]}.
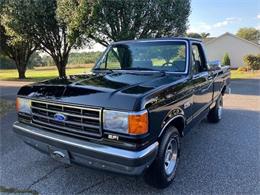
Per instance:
{"type": "Point", "coordinates": [24, 117]}
{"type": "Point", "coordinates": [78, 120]}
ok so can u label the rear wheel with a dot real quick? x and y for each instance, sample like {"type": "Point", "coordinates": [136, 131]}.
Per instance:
{"type": "Point", "coordinates": [163, 170]}
{"type": "Point", "coordinates": [215, 114]}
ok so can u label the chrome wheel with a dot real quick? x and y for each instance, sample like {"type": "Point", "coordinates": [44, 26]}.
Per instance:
{"type": "Point", "coordinates": [220, 109]}
{"type": "Point", "coordinates": [220, 112]}
{"type": "Point", "coordinates": [170, 159]}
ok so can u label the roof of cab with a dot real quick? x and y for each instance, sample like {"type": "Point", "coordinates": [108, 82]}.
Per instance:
{"type": "Point", "coordinates": [158, 39]}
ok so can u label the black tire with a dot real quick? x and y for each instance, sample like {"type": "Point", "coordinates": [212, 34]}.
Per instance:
{"type": "Point", "coordinates": [215, 114]}
{"type": "Point", "coordinates": [157, 175]}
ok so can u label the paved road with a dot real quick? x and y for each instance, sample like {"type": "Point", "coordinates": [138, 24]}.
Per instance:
{"type": "Point", "coordinates": [9, 89]}
{"type": "Point", "coordinates": [8, 93]}
{"type": "Point", "coordinates": [221, 158]}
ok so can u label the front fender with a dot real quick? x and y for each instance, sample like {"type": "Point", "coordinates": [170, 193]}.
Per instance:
{"type": "Point", "coordinates": [174, 117]}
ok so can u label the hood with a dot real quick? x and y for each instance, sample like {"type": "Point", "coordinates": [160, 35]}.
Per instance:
{"type": "Point", "coordinates": [120, 90]}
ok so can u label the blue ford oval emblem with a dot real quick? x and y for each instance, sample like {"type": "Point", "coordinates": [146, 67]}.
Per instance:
{"type": "Point", "coordinates": [59, 117]}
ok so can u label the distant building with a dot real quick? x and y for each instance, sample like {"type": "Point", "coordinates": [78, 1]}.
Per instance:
{"type": "Point", "coordinates": [236, 48]}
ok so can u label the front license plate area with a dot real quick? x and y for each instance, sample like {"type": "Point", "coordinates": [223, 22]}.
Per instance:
{"type": "Point", "coordinates": [59, 154]}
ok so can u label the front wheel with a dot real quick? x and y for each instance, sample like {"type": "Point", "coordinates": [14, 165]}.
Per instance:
{"type": "Point", "coordinates": [163, 170]}
{"type": "Point", "coordinates": [215, 114]}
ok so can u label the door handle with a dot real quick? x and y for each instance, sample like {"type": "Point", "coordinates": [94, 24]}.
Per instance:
{"type": "Point", "coordinates": [210, 77]}
{"type": "Point", "coordinates": [195, 76]}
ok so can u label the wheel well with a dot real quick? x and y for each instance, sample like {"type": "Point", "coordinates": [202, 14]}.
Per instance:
{"type": "Point", "coordinates": [223, 90]}
{"type": "Point", "coordinates": [179, 123]}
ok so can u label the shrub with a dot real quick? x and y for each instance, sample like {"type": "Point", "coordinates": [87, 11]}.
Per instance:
{"type": "Point", "coordinates": [252, 61]}
{"type": "Point", "coordinates": [226, 60]}
{"type": "Point", "coordinates": [243, 69]}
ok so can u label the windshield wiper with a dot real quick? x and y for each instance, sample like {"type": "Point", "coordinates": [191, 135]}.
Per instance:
{"type": "Point", "coordinates": [149, 69]}
{"type": "Point", "coordinates": [105, 69]}
{"type": "Point", "coordinates": [139, 68]}
{"type": "Point", "coordinates": [131, 68]}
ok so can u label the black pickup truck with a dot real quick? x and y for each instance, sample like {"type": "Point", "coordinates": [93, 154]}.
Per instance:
{"type": "Point", "coordinates": [129, 114]}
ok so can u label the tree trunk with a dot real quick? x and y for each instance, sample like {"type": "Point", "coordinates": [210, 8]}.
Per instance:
{"type": "Point", "coordinates": [62, 71]}
{"type": "Point", "coordinates": [21, 74]}
{"type": "Point", "coordinates": [61, 63]}
{"type": "Point", "coordinates": [21, 71]}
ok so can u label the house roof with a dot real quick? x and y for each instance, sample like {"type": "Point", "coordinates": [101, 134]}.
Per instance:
{"type": "Point", "coordinates": [207, 39]}
{"type": "Point", "coordinates": [230, 34]}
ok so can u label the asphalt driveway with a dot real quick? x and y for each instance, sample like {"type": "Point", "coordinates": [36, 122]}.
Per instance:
{"type": "Point", "coordinates": [221, 158]}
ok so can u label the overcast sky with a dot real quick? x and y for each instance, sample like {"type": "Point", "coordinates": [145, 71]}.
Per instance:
{"type": "Point", "coordinates": [218, 16]}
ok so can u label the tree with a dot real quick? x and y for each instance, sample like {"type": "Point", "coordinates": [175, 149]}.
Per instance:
{"type": "Point", "coordinates": [198, 35]}
{"type": "Point", "coordinates": [226, 60]}
{"type": "Point", "coordinates": [137, 19]}
{"type": "Point", "coordinates": [35, 60]}
{"type": "Point", "coordinates": [252, 61]}
{"type": "Point", "coordinates": [204, 35]}
{"type": "Point", "coordinates": [16, 48]}
{"type": "Point", "coordinates": [56, 25]}
{"type": "Point", "coordinates": [194, 35]}
{"type": "Point", "coordinates": [250, 34]}
{"type": "Point", "coordinates": [6, 62]}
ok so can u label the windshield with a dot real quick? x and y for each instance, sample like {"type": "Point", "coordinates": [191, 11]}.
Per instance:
{"type": "Point", "coordinates": [156, 56]}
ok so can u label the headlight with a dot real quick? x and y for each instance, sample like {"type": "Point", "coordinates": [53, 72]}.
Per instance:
{"type": "Point", "coordinates": [23, 105]}
{"type": "Point", "coordinates": [135, 123]}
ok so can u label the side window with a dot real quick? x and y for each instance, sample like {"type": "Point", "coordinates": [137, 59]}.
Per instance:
{"type": "Point", "coordinates": [198, 61]}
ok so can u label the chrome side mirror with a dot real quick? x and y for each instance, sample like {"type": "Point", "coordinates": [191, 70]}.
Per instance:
{"type": "Point", "coordinates": [214, 65]}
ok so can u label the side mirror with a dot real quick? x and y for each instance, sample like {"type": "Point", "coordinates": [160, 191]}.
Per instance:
{"type": "Point", "coordinates": [214, 65]}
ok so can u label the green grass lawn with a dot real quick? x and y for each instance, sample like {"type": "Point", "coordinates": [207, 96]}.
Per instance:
{"type": "Point", "coordinates": [38, 75]}
{"type": "Point", "coordinates": [244, 75]}
{"type": "Point", "coordinates": [42, 74]}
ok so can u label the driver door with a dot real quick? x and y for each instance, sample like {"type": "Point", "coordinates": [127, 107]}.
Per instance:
{"type": "Point", "coordinates": [201, 79]}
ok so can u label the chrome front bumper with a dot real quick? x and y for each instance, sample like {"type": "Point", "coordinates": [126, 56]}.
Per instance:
{"type": "Point", "coordinates": [73, 150]}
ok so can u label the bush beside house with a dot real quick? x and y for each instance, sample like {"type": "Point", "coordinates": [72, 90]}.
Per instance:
{"type": "Point", "coordinates": [226, 60]}
{"type": "Point", "coordinates": [252, 61]}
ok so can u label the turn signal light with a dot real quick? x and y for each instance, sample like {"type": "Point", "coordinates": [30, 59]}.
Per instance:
{"type": "Point", "coordinates": [17, 105]}
{"type": "Point", "coordinates": [138, 124]}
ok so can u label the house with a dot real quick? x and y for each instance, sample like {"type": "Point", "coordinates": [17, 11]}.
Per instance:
{"type": "Point", "coordinates": [236, 48]}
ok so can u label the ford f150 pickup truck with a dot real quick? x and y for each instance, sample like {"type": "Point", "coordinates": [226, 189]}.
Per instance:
{"type": "Point", "coordinates": [129, 114]}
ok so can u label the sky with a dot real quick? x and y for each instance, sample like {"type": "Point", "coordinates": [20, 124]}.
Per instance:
{"type": "Point", "coordinates": [218, 16]}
